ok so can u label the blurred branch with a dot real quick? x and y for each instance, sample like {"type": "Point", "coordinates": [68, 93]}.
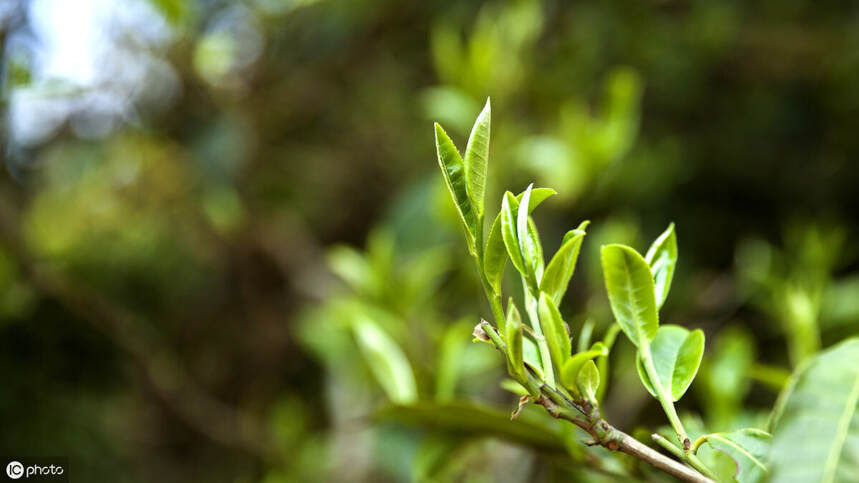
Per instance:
{"type": "Point", "coordinates": [160, 368]}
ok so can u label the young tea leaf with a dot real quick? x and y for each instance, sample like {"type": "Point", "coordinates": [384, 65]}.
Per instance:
{"type": "Point", "coordinates": [562, 266]}
{"type": "Point", "coordinates": [529, 244]}
{"type": "Point", "coordinates": [662, 258]}
{"type": "Point", "coordinates": [588, 381]}
{"type": "Point", "coordinates": [570, 369]}
{"type": "Point", "coordinates": [453, 170]}
{"type": "Point", "coordinates": [386, 361]}
{"type": "Point", "coordinates": [629, 284]}
{"type": "Point", "coordinates": [676, 354]}
{"type": "Point", "coordinates": [509, 209]}
{"type": "Point", "coordinates": [554, 331]}
{"type": "Point", "coordinates": [476, 159]}
{"type": "Point", "coordinates": [513, 335]}
{"type": "Point", "coordinates": [495, 255]}
{"type": "Point", "coordinates": [749, 448]}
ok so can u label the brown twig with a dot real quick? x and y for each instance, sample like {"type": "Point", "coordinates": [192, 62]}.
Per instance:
{"type": "Point", "coordinates": [603, 433]}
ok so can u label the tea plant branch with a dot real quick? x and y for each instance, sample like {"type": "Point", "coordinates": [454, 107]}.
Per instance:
{"type": "Point", "coordinates": [603, 433]}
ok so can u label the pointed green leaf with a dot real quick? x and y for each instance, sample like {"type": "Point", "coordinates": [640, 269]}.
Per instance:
{"type": "Point", "coordinates": [588, 380]}
{"type": "Point", "coordinates": [476, 159]}
{"type": "Point", "coordinates": [562, 266]}
{"type": "Point", "coordinates": [662, 258]}
{"type": "Point", "coordinates": [816, 421]}
{"type": "Point", "coordinates": [749, 448]}
{"type": "Point", "coordinates": [676, 354]}
{"type": "Point", "coordinates": [495, 256]}
{"type": "Point", "coordinates": [386, 361]}
{"type": "Point", "coordinates": [513, 335]}
{"type": "Point", "coordinates": [453, 170]}
{"type": "Point", "coordinates": [554, 331]}
{"type": "Point", "coordinates": [540, 263]}
{"type": "Point", "coordinates": [509, 208]}
{"type": "Point", "coordinates": [630, 291]}
{"type": "Point", "coordinates": [570, 369]}
{"type": "Point", "coordinates": [529, 244]}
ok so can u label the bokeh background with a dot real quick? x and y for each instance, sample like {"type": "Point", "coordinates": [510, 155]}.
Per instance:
{"type": "Point", "coordinates": [210, 210]}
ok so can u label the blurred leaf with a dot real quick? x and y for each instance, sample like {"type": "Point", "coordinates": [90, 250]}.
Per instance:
{"type": "Point", "coordinates": [676, 354]}
{"type": "Point", "coordinates": [724, 376]}
{"type": "Point", "coordinates": [554, 331]}
{"type": "Point", "coordinates": [585, 335]}
{"type": "Point", "coordinates": [468, 419]}
{"type": "Point", "coordinates": [513, 335]}
{"type": "Point", "coordinates": [629, 283]}
{"type": "Point", "coordinates": [495, 256]}
{"type": "Point", "coordinates": [432, 456]}
{"type": "Point", "coordinates": [476, 159]}
{"type": "Point", "coordinates": [563, 264]}
{"type": "Point", "coordinates": [602, 361]}
{"type": "Point", "coordinates": [839, 306]}
{"type": "Point", "coordinates": [662, 258]}
{"type": "Point", "coordinates": [453, 170]}
{"type": "Point", "coordinates": [449, 106]}
{"type": "Point", "coordinates": [387, 362]}
{"type": "Point", "coordinates": [749, 448]}
{"type": "Point", "coordinates": [450, 352]}
{"type": "Point", "coordinates": [815, 423]}
{"type": "Point", "coordinates": [350, 265]}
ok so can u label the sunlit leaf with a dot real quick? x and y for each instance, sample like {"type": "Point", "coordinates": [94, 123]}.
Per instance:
{"type": "Point", "coordinates": [529, 244]}
{"type": "Point", "coordinates": [676, 354]}
{"type": "Point", "coordinates": [815, 424]}
{"type": "Point", "coordinates": [630, 291]}
{"type": "Point", "coordinates": [554, 331]}
{"type": "Point", "coordinates": [662, 258]}
{"type": "Point", "coordinates": [562, 266]}
{"type": "Point", "coordinates": [509, 209]}
{"type": "Point", "coordinates": [453, 169]}
{"type": "Point", "coordinates": [495, 256]}
{"type": "Point", "coordinates": [749, 448]}
{"type": "Point", "coordinates": [476, 159]}
{"type": "Point", "coordinates": [386, 361]}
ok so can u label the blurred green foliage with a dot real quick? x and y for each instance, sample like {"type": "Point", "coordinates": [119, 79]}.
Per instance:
{"type": "Point", "coordinates": [192, 288]}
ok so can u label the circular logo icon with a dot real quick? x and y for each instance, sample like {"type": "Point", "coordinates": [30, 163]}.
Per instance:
{"type": "Point", "coordinates": [14, 470]}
